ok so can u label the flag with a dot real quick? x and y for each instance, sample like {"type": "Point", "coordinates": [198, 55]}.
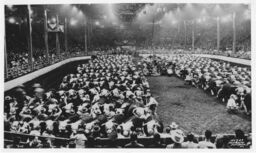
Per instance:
{"type": "Point", "coordinates": [52, 27]}
{"type": "Point", "coordinates": [61, 28]}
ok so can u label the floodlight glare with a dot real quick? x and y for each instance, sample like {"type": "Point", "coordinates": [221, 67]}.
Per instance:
{"type": "Point", "coordinates": [73, 22]}
{"type": "Point", "coordinates": [12, 20]}
{"type": "Point", "coordinates": [226, 18]}
{"type": "Point", "coordinates": [10, 6]}
{"type": "Point", "coordinates": [53, 20]}
{"type": "Point", "coordinates": [174, 22]}
{"type": "Point", "coordinates": [97, 23]}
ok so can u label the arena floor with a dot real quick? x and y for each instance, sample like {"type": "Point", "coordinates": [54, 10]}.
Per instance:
{"type": "Point", "coordinates": [192, 108]}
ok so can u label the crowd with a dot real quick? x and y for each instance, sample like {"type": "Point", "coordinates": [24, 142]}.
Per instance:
{"type": "Point", "coordinates": [239, 54]}
{"type": "Point", "coordinates": [18, 63]}
{"type": "Point", "coordinates": [108, 97]}
{"type": "Point", "coordinates": [231, 84]}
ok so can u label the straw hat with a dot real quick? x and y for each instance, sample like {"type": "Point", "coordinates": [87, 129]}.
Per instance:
{"type": "Point", "coordinates": [39, 90]}
{"type": "Point", "coordinates": [173, 125]}
{"type": "Point", "coordinates": [36, 85]}
{"type": "Point", "coordinates": [177, 136]}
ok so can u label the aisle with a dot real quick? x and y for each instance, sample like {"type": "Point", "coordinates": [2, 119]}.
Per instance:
{"type": "Point", "coordinates": [192, 109]}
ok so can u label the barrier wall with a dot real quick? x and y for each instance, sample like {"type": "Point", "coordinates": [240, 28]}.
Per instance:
{"type": "Point", "coordinates": [28, 77]}
{"type": "Point", "coordinates": [219, 57]}
{"type": "Point", "coordinates": [18, 81]}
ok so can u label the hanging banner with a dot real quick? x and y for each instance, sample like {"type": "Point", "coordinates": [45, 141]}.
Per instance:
{"type": "Point", "coordinates": [61, 28]}
{"type": "Point", "coordinates": [52, 26]}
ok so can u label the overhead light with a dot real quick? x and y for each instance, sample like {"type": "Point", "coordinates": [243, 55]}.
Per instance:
{"type": "Point", "coordinates": [97, 23]}
{"type": "Point", "coordinates": [247, 14]}
{"type": "Point", "coordinates": [12, 20]}
{"type": "Point", "coordinates": [174, 22]}
{"type": "Point", "coordinates": [9, 6]}
{"type": "Point", "coordinates": [73, 22]}
{"type": "Point", "coordinates": [53, 20]}
{"type": "Point", "coordinates": [226, 18]}
{"type": "Point", "coordinates": [199, 20]}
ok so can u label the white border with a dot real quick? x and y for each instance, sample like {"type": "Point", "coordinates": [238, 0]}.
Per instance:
{"type": "Point", "coordinates": [253, 25]}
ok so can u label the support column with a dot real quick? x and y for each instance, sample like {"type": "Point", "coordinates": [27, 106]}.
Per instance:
{"type": "Point", "coordinates": [29, 35]}
{"type": "Point", "coordinates": [85, 38]}
{"type": "Point", "coordinates": [66, 35]}
{"type": "Point", "coordinates": [218, 33]}
{"type": "Point", "coordinates": [185, 29]}
{"type": "Point", "coordinates": [5, 59]}
{"type": "Point", "coordinates": [193, 35]}
{"type": "Point", "coordinates": [234, 32]}
{"type": "Point", "coordinates": [46, 36]}
{"type": "Point", "coordinates": [57, 39]}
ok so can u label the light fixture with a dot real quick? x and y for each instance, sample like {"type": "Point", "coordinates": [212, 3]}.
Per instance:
{"type": "Point", "coordinates": [9, 6]}
{"type": "Point", "coordinates": [53, 20]}
{"type": "Point", "coordinates": [174, 22]}
{"type": "Point", "coordinates": [73, 22]}
{"type": "Point", "coordinates": [12, 20]}
{"type": "Point", "coordinates": [97, 23]}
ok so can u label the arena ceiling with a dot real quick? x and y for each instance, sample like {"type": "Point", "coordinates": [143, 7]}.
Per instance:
{"type": "Point", "coordinates": [136, 21]}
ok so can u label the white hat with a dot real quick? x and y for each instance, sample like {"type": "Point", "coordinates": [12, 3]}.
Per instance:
{"type": "Point", "coordinates": [174, 125]}
{"type": "Point", "coordinates": [177, 136]}
{"type": "Point", "coordinates": [39, 90]}
{"type": "Point", "coordinates": [233, 96]}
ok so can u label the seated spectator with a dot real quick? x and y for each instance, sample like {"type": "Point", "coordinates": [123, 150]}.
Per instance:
{"type": "Point", "coordinates": [113, 141]}
{"type": "Point", "coordinates": [90, 143]}
{"type": "Point", "coordinates": [16, 143]}
{"type": "Point", "coordinates": [134, 143]}
{"type": "Point", "coordinates": [239, 141]}
{"type": "Point", "coordinates": [156, 142]}
{"type": "Point", "coordinates": [177, 137]}
{"type": "Point", "coordinates": [190, 142]}
{"type": "Point", "coordinates": [207, 144]}
{"type": "Point", "coordinates": [80, 138]}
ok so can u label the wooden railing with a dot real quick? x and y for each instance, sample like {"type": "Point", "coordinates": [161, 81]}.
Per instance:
{"type": "Point", "coordinates": [165, 138]}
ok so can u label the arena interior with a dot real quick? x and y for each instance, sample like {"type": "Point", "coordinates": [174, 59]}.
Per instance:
{"type": "Point", "coordinates": [140, 75]}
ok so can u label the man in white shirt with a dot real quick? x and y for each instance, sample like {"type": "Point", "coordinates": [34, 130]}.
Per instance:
{"type": "Point", "coordinates": [231, 104]}
{"type": "Point", "coordinates": [190, 144]}
{"type": "Point", "coordinates": [80, 138]}
{"type": "Point", "coordinates": [207, 144]}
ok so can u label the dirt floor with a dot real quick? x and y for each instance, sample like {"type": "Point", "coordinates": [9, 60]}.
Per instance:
{"type": "Point", "coordinates": [192, 108]}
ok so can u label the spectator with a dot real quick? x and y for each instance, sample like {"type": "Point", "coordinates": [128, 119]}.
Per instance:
{"type": "Point", "coordinates": [16, 143]}
{"type": "Point", "coordinates": [112, 141]}
{"type": "Point", "coordinates": [207, 142]}
{"type": "Point", "coordinates": [134, 143]}
{"type": "Point", "coordinates": [239, 141]}
{"type": "Point", "coordinates": [232, 106]}
{"type": "Point", "coordinates": [190, 142]}
{"type": "Point", "coordinates": [80, 138]}
{"type": "Point", "coordinates": [90, 143]}
{"type": "Point", "coordinates": [177, 137]}
{"type": "Point", "coordinates": [156, 142]}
